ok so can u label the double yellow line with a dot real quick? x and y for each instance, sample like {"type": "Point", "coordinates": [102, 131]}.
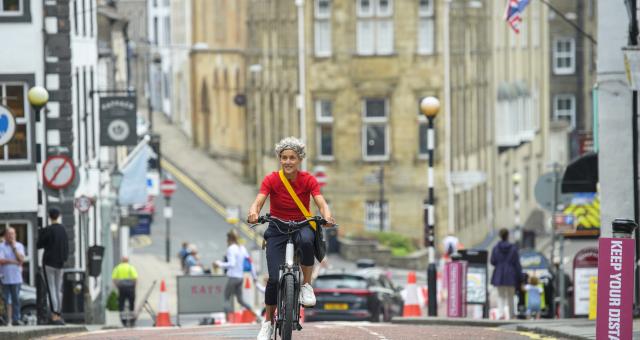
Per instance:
{"type": "Point", "coordinates": [209, 200]}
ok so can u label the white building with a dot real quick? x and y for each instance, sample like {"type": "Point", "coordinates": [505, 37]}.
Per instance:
{"type": "Point", "coordinates": [159, 22]}
{"type": "Point", "coordinates": [21, 67]}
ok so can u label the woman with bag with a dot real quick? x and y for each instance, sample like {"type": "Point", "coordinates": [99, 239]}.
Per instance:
{"type": "Point", "coordinates": [290, 192]}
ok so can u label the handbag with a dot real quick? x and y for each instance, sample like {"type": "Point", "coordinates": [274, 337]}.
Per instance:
{"type": "Point", "coordinates": [319, 245]}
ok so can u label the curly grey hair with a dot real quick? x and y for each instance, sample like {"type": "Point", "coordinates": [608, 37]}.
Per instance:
{"type": "Point", "coordinates": [291, 143]}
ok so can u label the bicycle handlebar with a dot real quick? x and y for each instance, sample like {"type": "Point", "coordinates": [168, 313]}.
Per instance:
{"type": "Point", "coordinates": [291, 224]}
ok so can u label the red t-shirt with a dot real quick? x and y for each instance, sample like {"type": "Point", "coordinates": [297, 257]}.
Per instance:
{"type": "Point", "coordinates": [282, 205]}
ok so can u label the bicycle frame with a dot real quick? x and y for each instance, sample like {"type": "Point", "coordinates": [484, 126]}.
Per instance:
{"type": "Point", "coordinates": [290, 267]}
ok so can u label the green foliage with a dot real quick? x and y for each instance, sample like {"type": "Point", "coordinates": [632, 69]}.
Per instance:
{"type": "Point", "coordinates": [112, 301]}
{"type": "Point", "coordinates": [400, 245]}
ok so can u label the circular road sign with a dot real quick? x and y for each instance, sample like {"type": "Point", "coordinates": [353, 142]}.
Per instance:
{"type": "Point", "coordinates": [118, 130]}
{"type": "Point", "coordinates": [83, 203]}
{"type": "Point", "coordinates": [58, 172]}
{"type": "Point", "coordinates": [7, 125]}
{"type": "Point", "coordinates": [168, 187]}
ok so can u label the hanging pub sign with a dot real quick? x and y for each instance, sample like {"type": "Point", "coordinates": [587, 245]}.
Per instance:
{"type": "Point", "coordinates": [118, 121]}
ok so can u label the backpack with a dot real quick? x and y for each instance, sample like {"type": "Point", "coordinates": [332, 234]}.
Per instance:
{"type": "Point", "coordinates": [246, 264]}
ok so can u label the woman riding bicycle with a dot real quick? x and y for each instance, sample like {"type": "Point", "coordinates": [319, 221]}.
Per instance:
{"type": "Point", "coordinates": [290, 152]}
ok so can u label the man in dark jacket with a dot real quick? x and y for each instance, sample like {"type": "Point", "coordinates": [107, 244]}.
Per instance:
{"type": "Point", "coordinates": [506, 274]}
{"type": "Point", "coordinates": [55, 242]}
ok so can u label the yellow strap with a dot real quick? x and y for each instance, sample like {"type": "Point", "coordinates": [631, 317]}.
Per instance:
{"type": "Point", "coordinates": [293, 194]}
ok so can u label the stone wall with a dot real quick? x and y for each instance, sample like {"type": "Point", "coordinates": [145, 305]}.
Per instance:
{"type": "Point", "coordinates": [354, 250]}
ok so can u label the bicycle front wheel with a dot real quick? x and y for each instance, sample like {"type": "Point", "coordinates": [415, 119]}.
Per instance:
{"type": "Point", "coordinates": [288, 301]}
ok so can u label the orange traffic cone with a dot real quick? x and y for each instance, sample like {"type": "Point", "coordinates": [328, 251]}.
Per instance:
{"type": "Point", "coordinates": [163, 319]}
{"type": "Point", "coordinates": [411, 303]}
{"type": "Point", "coordinates": [247, 315]}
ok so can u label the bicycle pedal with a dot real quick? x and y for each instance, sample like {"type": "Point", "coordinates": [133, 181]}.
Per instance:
{"type": "Point", "coordinates": [298, 326]}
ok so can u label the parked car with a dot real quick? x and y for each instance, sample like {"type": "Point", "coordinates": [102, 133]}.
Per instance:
{"type": "Point", "coordinates": [28, 309]}
{"type": "Point", "coordinates": [366, 295]}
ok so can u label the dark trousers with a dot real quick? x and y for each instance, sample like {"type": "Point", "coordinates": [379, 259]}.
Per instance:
{"type": "Point", "coordinates": [126, 294]}
{"type": "Point", "coordinates": [276, 248]}
{"type": "Point", "coordinates": [234, 287]}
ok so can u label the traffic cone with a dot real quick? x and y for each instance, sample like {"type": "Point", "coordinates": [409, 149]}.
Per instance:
{"type": "Point", "coordinates": [163, 319]}
{"type": "Point", "coordinates": [247, 315]}
{"type": "Point", "coordinates": [411, 303]}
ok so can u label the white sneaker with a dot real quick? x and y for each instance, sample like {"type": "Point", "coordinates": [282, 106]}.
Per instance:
{"type": "Point", "coordinates": [307, 297]}
{"type": "Point", "coordinates": [266, 332]}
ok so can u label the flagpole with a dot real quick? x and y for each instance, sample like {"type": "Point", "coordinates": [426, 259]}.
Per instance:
{"type": "Point", "coordinates": [580, 30]}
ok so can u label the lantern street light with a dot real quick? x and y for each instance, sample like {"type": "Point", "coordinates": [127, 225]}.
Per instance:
{"type": "Point", "coordinates": [430, 106]}
{"type": "Point", "coordinates": [38, 98]}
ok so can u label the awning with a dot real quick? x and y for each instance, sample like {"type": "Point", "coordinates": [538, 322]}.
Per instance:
{"type": "Point", "coordinates": [581, 175]}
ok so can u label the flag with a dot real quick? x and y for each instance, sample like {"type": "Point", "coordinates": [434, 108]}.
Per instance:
{"type": "Point", "coordinates": [513, 13]}
{"type": "Point", "coordinates": [133, 188]}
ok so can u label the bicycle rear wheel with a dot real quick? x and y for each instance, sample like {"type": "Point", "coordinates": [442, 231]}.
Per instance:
{"type": "Point", "coordinates": [288, 300]}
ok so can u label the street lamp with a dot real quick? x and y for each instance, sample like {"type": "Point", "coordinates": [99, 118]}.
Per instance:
{"type": "Point", "coordinates": [38, 98]}
{"type": "Point", "coordinates": [429, 107]}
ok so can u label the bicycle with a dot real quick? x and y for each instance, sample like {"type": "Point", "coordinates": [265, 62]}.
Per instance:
{"type": "Point", "coordinates": [290, 276]}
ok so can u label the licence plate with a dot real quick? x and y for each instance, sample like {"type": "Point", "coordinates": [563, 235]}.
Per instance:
{"type": "Point", "coordinates": [336, 306]}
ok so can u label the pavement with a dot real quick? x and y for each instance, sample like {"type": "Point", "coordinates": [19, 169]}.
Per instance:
{"type": "Point", "coordinates": [561, 328]}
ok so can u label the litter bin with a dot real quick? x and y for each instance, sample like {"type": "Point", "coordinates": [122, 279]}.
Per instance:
{"type": "Point", "coordinates": [95, 254]}
{"type": "Point", "coordinates": [73, 287]}
{"type": "Point", "coordinates": [333, 246]}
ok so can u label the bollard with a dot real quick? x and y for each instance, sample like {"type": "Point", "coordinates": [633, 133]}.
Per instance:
{"type": "Point", "coordinates": [614, 316]}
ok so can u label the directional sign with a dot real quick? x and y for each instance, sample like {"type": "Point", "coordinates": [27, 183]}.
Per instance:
{"type": "Point", "coordinates": [58, 172]}
{"type": "Point", "coordinates": [83, 203]}
{"type": "Point", "coordinates": [168, 187]}
{"type": "Point", "coordinates": [118, 121]}
{"type": "Point", "coordinates": [7, 125]}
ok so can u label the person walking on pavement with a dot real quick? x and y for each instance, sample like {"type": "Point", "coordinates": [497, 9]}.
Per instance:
{"type": "Point", "coordinates": [235, 269]}
{"type": "Point", "coordinates": [53, 239]}
{"type": "Point", "coordinates": [507, 274]}
{"type": "Point", "coordinates": [125, 278]}
{"type": "Point", "coordinates": [290, 152]}
{"type": "Point", "coordinates": [11, 259]}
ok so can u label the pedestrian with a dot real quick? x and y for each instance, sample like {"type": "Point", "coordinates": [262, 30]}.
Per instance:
{"type": "Point", "coordinates": [125, 278]}
{"type": "Point", "coordinates": [11, 259]}
{"type": "Point", "coordinates": [506, 274]}
{"type": "Point", "coordinates": [182, 255]}
{"type": "Point", "coordinates": [53, 239]}
{"type": "Point", "coordinates": [235, 268]}
{"type": "Point", "coordinates": [534, 297]}
{"type": "Point", "coordinates": [192, 263]}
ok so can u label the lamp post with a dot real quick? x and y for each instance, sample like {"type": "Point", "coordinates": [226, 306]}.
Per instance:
{"type": "Point", "coordinates": [301, 76]}
{"type": "Point", "coordinates": [429, 107]}
{"type": "Point", "coordinates": [38, 98]}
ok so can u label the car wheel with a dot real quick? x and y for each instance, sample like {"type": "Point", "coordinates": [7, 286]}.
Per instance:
{"type": "Point", "coordinates": [29, 314]}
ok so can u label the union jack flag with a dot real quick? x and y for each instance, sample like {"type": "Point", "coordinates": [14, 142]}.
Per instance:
{"type": "Point", "coordinates": [513, 13]}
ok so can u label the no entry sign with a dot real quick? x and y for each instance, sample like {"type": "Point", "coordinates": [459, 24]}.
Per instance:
{"type": "Point", "coordinates": [168, 187]}
{"type": "Point", "coordinates": [58, 172]}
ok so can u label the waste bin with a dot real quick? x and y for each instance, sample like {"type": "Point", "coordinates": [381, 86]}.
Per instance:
{"type": "Point", "coordinates": [73, 287]}
{"type": "Point", "coordinates": [333, 246]}
{"type": "Point", "coordinates": [95, 254]}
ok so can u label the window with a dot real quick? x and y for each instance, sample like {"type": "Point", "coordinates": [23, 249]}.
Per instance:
{"type": "Point", "coordinates": [324, 119]}
{"type": "Point", "coordinates": [564, 50]}
{"type": "Point", "coordinates": [564, 107]}
{"type": "Point", "coordinates": [375, 27]}
{"type": "Point", "coordinates": [167, 31]}
{"type": "Point", "coordinates": [13, 95]}
{"type": "Point", "coordinates": [375, 129]}
{"type": "Point", "coordinates": [15, 11]}
{"type": "Point", "coordinates": [426, 34]}
{"type": "Point", "coordinates": [322, 29]}
{"type": "Point", "coordinates": [155, 30]}
{"type": "Point", "coordinates": [372, 216]}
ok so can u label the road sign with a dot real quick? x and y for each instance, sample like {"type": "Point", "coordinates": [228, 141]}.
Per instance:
{"type": "Point", "coordinates": [153, 183]}
{"type": "Point", "coordinates": [7, 125]}
{"type": "Point", "coordinates": [118, 121]}
{"type": "Point", "coordinates": [543, 192]}
{"type": "Point", "coordinates": [83, 203]}
{"type": "Point", "coordinates": [58, 172]}
{"type": "Point", "coordinates": [320, 175]}
{"type": "Point", "coordinates": [168, 187]}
